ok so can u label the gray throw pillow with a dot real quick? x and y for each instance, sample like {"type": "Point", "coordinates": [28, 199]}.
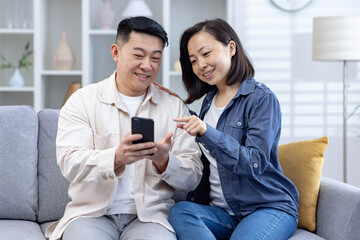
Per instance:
{"type": "Point", "coordinates": [53, 186]}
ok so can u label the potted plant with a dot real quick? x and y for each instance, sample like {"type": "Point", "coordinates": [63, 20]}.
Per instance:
{"type": "Point", "coordinates": [24, 62]}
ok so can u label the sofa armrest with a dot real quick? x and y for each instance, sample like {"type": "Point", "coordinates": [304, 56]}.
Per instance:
{"type": "Point", "coordinates": [338, 210]}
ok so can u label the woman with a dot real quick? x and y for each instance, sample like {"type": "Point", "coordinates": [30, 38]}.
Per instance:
{"type": "Point", "coordinates": [238, 130]}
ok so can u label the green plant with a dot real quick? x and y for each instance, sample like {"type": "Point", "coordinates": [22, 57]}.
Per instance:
{"type": "Point", "coordinates": [24, 61]}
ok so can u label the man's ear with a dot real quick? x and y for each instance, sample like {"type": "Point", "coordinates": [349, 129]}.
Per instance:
{"type": "Point", "coordinates": [114, 52]}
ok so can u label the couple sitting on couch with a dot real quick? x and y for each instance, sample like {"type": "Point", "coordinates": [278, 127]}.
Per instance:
{"type": "Point", "coordinates": [123, 190]}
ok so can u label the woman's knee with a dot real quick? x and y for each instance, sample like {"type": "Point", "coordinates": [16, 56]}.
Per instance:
{"type": "Point", "coordinates": [179, 210]}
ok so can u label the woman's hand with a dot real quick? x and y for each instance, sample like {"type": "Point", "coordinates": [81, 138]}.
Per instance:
{"type": "Point", "coordinates": [192, 124]}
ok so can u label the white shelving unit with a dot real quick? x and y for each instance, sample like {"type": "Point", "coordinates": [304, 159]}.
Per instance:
{"type": "Point", "coordinates": [16, 31]}
{"type": "Point", "coordinates": [180, 15]}
{"type": "Point", "coordinates": [46, 87]}
{"type": "Point", "coordinates": [12, 43]}
{"type": "Point", "coordinates": [53, 18]}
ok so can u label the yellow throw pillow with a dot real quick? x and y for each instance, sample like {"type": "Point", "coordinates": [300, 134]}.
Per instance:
{"type": "Point", "coordinates": [302, 163]}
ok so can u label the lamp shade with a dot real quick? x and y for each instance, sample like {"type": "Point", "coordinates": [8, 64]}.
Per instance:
{"type": "Point", "coordinates": [336, 38]}
{"type": "Point", "coordinates": [137, 8]}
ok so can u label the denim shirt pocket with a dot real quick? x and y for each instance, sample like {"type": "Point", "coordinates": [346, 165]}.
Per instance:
{"type": "Point", "coordinates": [237, 129]}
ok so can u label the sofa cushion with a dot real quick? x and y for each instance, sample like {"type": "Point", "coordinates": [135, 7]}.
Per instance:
{"type": "Point", "coordinates": [338, 212]}
{"type": "Point", "coordinates": [18, 163]}
{"type": "Point", "coordinates": [45, 225]}
{"type": "Point", "coordinates": [302, 234]}
{"type": "Point", "coordinates": [53, 186]}
{"type": "Point", "coordinates": [302, 163]}
{"type": "Point", "coordinates": [19, 229]}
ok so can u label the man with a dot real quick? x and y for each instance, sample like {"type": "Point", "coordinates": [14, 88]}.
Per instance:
{"type": "Point", "coordinates": [119, 190]}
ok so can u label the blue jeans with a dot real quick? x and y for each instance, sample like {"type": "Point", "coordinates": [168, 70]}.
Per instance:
{"type": "Point", "coordinates": [195, 221]}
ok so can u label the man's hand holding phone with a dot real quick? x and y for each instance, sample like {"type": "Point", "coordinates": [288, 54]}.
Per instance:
{"type": "Point", "coordinates": [128, 153]}
{"type": "Point", "coordinates": [161, 157]}
{"type": "Point", "coordinates": [139, 144]}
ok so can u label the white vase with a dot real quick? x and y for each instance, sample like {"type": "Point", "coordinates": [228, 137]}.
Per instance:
{"type": "Point", "coordinates": [106, 14]}
{"type": "Point", "coordinates": [17, 79]}
{"type": "Point", "coordinates": [177, 66]}
{"type": "Point", "coordinates": [64, 57]}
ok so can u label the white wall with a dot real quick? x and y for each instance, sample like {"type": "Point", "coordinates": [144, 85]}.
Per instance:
{"type": "Point", "coordinates": [310, 92]}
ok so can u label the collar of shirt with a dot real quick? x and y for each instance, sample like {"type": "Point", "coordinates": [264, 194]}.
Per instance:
{"type": "Point", "coordinates": [110, 94]}
{"type": "Point", "coordinates": [246, 87]}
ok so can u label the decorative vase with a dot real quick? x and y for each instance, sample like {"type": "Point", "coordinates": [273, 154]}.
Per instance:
{"type": "Point", "coordinates": [64, 57]}
{"type": "Point", "coordinates": [106, 14]}
{"type": "Point", "coordinates": [17, 79]}
{"type": "Point", "coordinates": [177, 66]}
{"type": "Point", "coordinates": [17, 14]}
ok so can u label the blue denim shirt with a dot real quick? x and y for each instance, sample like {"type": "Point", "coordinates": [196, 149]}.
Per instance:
{"type": "Point", "coordinates": [245, 146]}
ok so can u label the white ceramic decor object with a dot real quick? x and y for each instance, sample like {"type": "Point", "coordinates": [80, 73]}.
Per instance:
{"type": "Point", "coordinates": [106, 14]}
{"type": "Point", "coordinates": [17, 79]}
{"type": "Point", "coordinates": [64, 57]}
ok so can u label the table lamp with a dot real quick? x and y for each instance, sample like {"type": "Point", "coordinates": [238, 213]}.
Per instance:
{"type": "Point", "coordinates": [137, 8]}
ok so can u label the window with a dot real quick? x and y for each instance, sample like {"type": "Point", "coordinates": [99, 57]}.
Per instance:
{"type": "Point", "coordinates": [280, 46]}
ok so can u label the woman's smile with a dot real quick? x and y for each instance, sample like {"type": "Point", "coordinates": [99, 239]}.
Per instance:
{"type": "Point", "coordinates": [209, 74]}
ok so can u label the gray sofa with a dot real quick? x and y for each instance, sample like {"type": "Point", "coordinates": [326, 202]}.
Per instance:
{"type": "Point", "coordinates": [33, 193]}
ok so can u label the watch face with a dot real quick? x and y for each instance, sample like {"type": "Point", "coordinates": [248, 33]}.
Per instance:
{"type": "Point", "coordinates": [291, 5]}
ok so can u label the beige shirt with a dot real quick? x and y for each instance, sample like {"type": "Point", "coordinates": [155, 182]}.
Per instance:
{"type": "Point", "coordinates": [91, 125]}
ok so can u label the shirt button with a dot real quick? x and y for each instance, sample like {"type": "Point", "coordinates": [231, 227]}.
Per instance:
{"type": "Point", "coordinates": [192, 199]}
{"type": "Point", "coordinates": [255, 165]}
{"type": "Point", "coordinates": [239, 124]}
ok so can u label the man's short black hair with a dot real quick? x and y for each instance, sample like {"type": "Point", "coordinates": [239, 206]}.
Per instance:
{"type": "Point", "coordinates": [141, 25]}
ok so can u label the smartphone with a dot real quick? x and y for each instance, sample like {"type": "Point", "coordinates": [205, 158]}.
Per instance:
{"type": "Point", "coordinates": [144, 126]}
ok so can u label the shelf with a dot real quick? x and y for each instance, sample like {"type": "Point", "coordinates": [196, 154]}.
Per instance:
{"type": "Point", "coordinates": [102, 32]}
{"type": "Point", "coordinates": [175, 73]}
{"type": "Point", "coordinates": [16, 89]}
{"type": "Point", "coordinates": [16, 31]}
{"type": "Point", "coordinates": [45, 86]}
{"type": "Point", "coordinates": [61, 73]}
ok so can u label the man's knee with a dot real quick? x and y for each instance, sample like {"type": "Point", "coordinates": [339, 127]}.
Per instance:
{"type": "Point", "coordinates": [75, 228]}
{"type": "Point", "coordinates": [90, 228]}
{"type": "Point", "coordinates": [142, 230]}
